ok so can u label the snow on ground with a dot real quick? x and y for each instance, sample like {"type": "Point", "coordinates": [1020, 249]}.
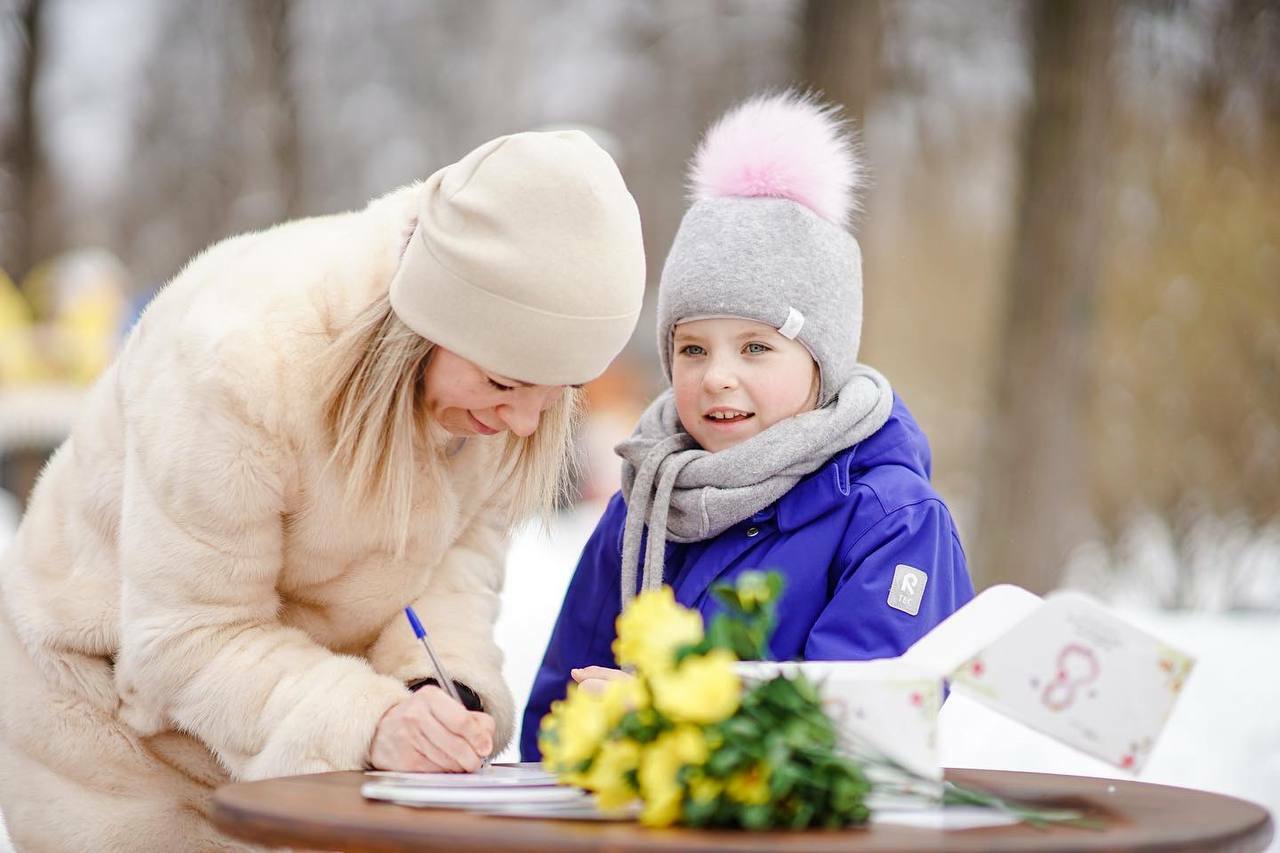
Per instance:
{"type": "Point", "coordinates": [539, 566]}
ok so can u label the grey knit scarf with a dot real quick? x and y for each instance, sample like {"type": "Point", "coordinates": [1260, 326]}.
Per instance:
{"type": "Point", "coordinates": [683, 493]}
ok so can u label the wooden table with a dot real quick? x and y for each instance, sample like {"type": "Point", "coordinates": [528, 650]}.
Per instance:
{"type": "Point", "coordinates": [326, 812]}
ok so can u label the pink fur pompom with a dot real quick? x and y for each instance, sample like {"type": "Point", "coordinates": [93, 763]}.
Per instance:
{"type": "Point", "coordinates": [781, 146]}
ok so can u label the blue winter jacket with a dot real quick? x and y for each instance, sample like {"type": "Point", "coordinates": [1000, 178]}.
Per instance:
{"type": "Point", "coordinates": [838, 537]}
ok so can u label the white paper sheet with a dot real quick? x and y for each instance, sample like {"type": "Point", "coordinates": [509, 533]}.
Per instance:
{"type": "Point", "coordinates": [492, 776]}
{"type": "Point", "coordinates": [464, 798]}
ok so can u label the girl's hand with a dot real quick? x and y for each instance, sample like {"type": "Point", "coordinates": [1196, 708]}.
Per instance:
{"type": "Point", "coordinates": [428, 732]}
{"type": "Point", "coordinates": [594, 679]}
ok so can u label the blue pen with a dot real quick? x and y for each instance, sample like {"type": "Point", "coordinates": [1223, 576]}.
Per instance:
{"type": "Point", "coordinates": [445, 681]}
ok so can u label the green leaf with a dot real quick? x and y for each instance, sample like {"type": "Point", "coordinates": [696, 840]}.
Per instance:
{"type": "Point", "coordinates": [757, 817]}
{"type": "Point", "coordinates": [725, 760]}
{"type": "Point", "coordinates": [719, 634]}
{"type": "Point", "coordinates": [783, 778]}
{"type": "Point", "coordinates": [802, 816]}
{"type": "Point", "coordinates": [728, 597]}
{"type": "Point", "coordinates": [742, 727]}
{"type": "Point", "coordinates": [700, 812]}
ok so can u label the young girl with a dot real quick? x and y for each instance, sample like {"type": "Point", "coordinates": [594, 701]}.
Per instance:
{"type": "Point", "coordinates": [774, 448]}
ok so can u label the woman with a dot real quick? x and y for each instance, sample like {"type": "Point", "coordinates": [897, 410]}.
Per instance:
{"type": "Point", "coordinates": [310, 428]}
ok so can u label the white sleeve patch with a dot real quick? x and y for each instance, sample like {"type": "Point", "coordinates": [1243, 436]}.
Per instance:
{"type": "Point", "coordinates": [907, 589]}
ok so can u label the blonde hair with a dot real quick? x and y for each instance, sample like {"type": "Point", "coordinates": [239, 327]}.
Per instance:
{"type": "Point", "coordinates": [376, 415]}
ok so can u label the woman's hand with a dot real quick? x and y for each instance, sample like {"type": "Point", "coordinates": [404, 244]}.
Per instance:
{"type": "Point", "coordinates": [428, 732]}
{"type": "Point", "coordinates": [594, 679]}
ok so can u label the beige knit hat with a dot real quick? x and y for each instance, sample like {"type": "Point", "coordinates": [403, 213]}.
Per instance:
{"type": "Point", "coordinates": [527, 259]}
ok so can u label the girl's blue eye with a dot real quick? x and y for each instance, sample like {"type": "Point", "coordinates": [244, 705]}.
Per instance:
{"type": "Point", "coordinates": [500, 386]}
{"type": "Point", "coordinates": [757, 348]}
{"type": "Point", "coordinates": [692, 349]}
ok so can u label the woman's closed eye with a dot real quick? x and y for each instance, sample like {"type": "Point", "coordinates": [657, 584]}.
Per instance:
{"type": "Point", "coordinates": [500, 386]}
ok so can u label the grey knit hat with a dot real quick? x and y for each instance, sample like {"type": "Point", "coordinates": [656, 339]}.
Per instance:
{"type": "Point", "coordinates": [774, 183]}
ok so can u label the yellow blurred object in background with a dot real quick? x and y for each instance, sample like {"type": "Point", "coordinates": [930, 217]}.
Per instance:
{"type": "Point", "coordinates": [85, 293]}
{"type": "Point", "coordinates": [85, 335]}
{"type": "Point", "coordinates": [64, 325]}
{"type": "Point", "coordinates": [19, 360]}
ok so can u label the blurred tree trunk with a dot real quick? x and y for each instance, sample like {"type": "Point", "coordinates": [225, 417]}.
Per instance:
{"type": "Point", "coordinates": [184, 127]}
{"type": "Point", "coordinates": [842, 42]}
{"type": "Point", "coordinates": [23, 168]}
{"type": "Point", "coordinates": [269, 80]}
{"type": "Point", "coordinates": [1035, 495]}
{"type": "Point", "coordinates": [218, 133]}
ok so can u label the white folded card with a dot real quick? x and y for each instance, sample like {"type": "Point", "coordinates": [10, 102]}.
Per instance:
{"type": "Point", "coordinates": [890, 704]}
{"type": "Point", "coordinates": [1063, 665]}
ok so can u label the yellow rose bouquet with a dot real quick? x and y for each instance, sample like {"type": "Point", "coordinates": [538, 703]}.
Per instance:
{"type": "Point", "coordinates": [688, 740]}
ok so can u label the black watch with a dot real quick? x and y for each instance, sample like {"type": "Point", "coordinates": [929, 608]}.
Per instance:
{"type": "Point", "coordinates": [470, 700]}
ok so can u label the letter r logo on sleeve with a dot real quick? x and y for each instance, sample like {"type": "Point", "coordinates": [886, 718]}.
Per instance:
{"type": "Point", "coordinates": [907, 589]}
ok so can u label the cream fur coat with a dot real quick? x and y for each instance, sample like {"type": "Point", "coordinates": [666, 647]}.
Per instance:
{"type": "Point", "coordinates": [187, 602]}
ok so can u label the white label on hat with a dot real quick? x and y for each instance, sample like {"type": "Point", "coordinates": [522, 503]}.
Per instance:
{"type": "Point", "coordinates": [791, 328]}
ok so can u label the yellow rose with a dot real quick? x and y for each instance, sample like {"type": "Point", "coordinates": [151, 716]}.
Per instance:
{"type": "Point", "coordinates": [574, 729]}
{"type": "Point", "coordinates": [623, 695]}
{"type": "Point", "coordinates": [668, 752]}
{"type": "Point", "coordinates": [705, 689]}
{"type": "Point", "coordinates": [750, 786]}
{"type": "Point", "coordinates": [661, 809]}
{"type": "Point", "coordinates": [607, 776]}
{"type": "Point", "coordinates": [659, 769]}
{"type": "Point", "coordinates": [659, 787]}
{"type": "Point", "coordinates": [703, 788]}
{"type": "Point", "coordinates": [651, 628]}
{"type": "Point", "coordinates": [687, 743]}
